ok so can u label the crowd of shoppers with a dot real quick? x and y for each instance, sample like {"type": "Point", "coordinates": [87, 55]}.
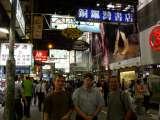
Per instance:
{"type": "Point", "coordinates": [60, 98]}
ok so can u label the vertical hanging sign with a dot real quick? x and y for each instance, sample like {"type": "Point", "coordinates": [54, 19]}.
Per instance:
{"type": "Point", "coordinates": [37, 27]}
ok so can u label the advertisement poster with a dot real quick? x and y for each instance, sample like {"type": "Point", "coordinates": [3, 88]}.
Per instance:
{"type": "Point", "coordinates": [115, 43]}
{"type": "Point", "coordinates": [99, 50]}
{"type": "Point", "coordinates": [123, 42]}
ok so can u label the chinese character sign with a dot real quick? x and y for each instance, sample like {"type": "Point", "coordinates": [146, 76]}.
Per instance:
{"type": "Point", "coordinates": [101, 15]}
{"type": "Point", "coordinates": [22, 54]}
{"type": "Point", "coordinates": [40, 55]}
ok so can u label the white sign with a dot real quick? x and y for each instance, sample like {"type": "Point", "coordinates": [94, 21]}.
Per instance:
{"type": "Point", "coordinates": [22, 54]}
{"type": "Point", "coordinates": [60, 58]}
{"type": "Point", "coordinates": [60, 22]}
{"type": "Point", "coordinates": [20, 17]}
{"type": "Point", "coordinates": [58, 54]}
{"type": "Point", "coordinates": [143, 3]}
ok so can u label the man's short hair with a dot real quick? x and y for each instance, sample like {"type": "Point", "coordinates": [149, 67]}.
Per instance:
{"type": "Point", "coordinates": [89, 75]}
{"type": "Point", "coordinates": [59, 76]}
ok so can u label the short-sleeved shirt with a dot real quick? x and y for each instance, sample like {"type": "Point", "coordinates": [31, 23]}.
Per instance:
{"type": "Point", "coordinates": [118, 104]}
{"type": "Point", "coordinates": [57, 105]}
{"type": "Point", "coordinates": [18, 91]}
{"type": "Point", "coordinates": [27, 87]}
{"type": "Point", "coordinates": [86, 100]}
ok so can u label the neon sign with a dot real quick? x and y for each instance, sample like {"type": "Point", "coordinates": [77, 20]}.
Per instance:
{"type": "Point", "coordinates": [105, 15]}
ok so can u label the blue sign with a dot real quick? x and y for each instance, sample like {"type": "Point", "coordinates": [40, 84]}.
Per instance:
{"type": "Point", "coordinates": [103, 15]}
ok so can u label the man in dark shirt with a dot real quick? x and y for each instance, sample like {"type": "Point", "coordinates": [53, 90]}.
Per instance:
{"type": "Point", "coordinates": [58, 105]}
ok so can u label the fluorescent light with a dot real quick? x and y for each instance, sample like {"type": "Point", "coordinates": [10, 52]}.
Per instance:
{"type": "Point", "coordinates": [110, 6]}
{"type": "Point", "coordinates": [4, 30]}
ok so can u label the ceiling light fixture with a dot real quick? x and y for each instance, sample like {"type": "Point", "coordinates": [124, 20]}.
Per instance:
{"type": "Point", "coordinates": [110, 6]}
{"type": "Point", "coordinates": [4, 30]}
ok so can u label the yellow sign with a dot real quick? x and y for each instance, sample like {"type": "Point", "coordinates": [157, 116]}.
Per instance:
{"type": "Point", "coordinates": [72, 33]}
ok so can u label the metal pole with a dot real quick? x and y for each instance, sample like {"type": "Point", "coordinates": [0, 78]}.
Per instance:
{"type": "Point", "coordinates": [10, 68]}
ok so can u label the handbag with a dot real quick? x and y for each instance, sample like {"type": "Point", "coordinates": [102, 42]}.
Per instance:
{"type": "Point", "coordinates": [130, 115]}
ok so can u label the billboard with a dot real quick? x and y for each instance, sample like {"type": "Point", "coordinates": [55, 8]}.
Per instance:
{"type": "Point", "coordinates": [22, 54]}
{"type": "Point", "coordinates": [115, 43]}
{"type": "Point", "coordinates": [123, 42]}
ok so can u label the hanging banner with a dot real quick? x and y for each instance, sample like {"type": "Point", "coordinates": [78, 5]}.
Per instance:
{"type": "Point", "coordinates": [37, 27]}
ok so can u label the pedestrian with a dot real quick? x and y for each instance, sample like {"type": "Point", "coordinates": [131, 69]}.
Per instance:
{"type": "Point", "coordinates": [119, 105]}
{"type": "Point", "coordinates": [87, 100]}
{"type": "Point", "coordinates": [147, 94]}
{"type": "Point", "coordinates": [58, 105]}
{"type": "Point", "coordinates": [27, 85]}
{"type": "Point", "coordinates": [18, 96]}
{"type": "Point", "coordinates": [41, 92]}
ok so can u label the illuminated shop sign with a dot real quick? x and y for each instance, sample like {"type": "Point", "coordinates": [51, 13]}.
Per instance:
{"type": "Point", "coordinates": [22, 54]}
{"type": "Point", "coordinates": [60, 58]}
{"type": "Point", "coordinates": [60, 22]}
{"type": "Point", "coordinates": [58, 54]}
{"type": "Point", "coordinates": [154, 39]}
{"type": "Point", "coordinates": [40, 55]}
{"type": "Point", "coordinates": [101, 15]}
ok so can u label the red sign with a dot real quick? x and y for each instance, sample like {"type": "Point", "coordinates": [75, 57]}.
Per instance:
{"type": "Point", "coordinates": [40, 55]}
{"type": "Point", "coordinates": [154, 39]}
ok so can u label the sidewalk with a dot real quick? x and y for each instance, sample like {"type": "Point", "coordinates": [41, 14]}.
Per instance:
{"type": "Point", "coordinates": [36, 115]}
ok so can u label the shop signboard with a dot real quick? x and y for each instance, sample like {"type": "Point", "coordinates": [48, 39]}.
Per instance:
{"type": "Point", "coordinates": [22, 54]}
{"type": "Point", "coordinates": [61, 22]}
{"type": "Point", "coordinates": [105, 15]}
{"type": "Point", "coordinates": [150, 45]}
{"type": "Point", "coordinates": [40, 55]}
{"type": "Point", "coordinates": [154, 39]}
{"type": "Point", "coordinates": [60, 58]}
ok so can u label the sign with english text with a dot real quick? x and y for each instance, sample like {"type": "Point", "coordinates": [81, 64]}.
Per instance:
{"type": "Point", "coordinates": [22, 54]}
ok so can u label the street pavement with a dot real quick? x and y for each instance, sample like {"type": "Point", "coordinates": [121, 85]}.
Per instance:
{"type": "Point", "coordinates": [36, 115]}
